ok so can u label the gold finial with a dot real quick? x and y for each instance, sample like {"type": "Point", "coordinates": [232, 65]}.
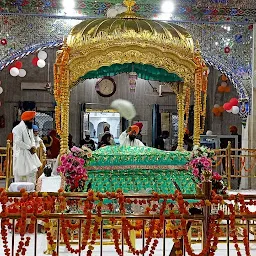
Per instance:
{"type": "Point", "coordinates": [129, 4]}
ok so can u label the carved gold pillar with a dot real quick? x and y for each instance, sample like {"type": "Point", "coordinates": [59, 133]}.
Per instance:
{"type": "Point", "coordinates": [65, 99]}
{"type": "Point", "coordinates": [181, 113]}
{"type": "Point", "coordinates": [197, 106]}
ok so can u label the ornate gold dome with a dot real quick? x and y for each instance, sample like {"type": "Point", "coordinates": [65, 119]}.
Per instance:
{"type": "Point", "coordinates": [131, 26]}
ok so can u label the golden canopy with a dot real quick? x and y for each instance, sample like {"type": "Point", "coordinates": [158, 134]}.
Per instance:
{"type": "Point", "coordinates": [97, 43]}
{"type": "Point", "coordinates": [127, 39]}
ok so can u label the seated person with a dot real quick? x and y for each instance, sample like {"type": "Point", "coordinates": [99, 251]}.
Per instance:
{"type": "Point", "coordinates": [87, 141]}
{"type": "Point", "coordinates": [105, 140]}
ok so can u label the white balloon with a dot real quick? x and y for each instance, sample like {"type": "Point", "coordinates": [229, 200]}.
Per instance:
{"type": "Point", "coordinates": [216, 106]}
{"type": "Point", "coordinates": [235, 110]}
{"type": "Point", "coordinates": [41, 63]}
{"type": "Point", "coordinates": [229, 111]}
{"type": "Point", "coordinates": [1, 90]}
{"type": "Point", "coordinates": [22, 73]}
{"type": "Point", "coordinates": [14, 71]}
{"type": "Point", "coordinates": [209, 133]}
{"type": "Point", "coordinates": [42, 55]}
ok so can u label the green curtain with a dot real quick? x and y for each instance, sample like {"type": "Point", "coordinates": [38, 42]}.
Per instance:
{"type": "Point", "coordinates": [146, 72]}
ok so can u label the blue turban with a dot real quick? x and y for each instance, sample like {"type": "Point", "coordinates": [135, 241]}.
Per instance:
{"type": "Point", "coordinates": [35, 128]}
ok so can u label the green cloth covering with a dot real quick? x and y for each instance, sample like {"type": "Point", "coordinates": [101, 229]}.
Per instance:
{"type": "Point", "coordinates": [136, 169]}
{"type": "Point", "coordinates": [136, 156]}
{"type": "Point", "coordinates": [146, 72]}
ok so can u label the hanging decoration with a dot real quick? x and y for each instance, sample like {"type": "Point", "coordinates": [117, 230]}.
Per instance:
{"type": "Point", "coordinates": [34, 61]}
{"type": "Point", "coordinates": [16, 69]}
{"type": "Point", "coordinates": [132, 80]}
{"type": "Point", "coordinates": [3, 42]}
{"type": "Point", "coordinates": [217, 110]}
{"type": "Point", "coordinates": [22, 73]}
{"type": "Point", "coordinates": [232, 106]}
{"type": "Point", "coordinates": [41, 63]}
{"type": "Point", "coordinates": [224, 86]}
{"type": "Point", "coordinates": [42, 55]}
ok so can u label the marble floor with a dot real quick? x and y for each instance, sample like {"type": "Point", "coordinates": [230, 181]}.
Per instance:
{"type": "Point", "coordinates": [109, 250]}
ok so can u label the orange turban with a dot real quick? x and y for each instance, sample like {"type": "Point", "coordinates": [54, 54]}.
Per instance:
{"type": "Point", "coordinates": [28, 115]}
{"type": "Point", "coordinates": [134, 128]}
{"type": "Point", "coordinates": [233, 129]}
{"type": "Point", "coordinates": [139, 124]}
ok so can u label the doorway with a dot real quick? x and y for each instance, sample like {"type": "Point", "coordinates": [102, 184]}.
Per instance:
{"type": "Point", "coordinates": [95, 121]}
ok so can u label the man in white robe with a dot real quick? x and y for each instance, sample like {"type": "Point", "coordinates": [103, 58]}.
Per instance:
{"type": "Point", "coordinates": [25, 159]}
{"type": "Point", "coordinates": [128, 137]}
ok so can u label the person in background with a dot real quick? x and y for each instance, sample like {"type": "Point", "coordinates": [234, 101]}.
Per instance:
{"type": "Point", "coordinates": [188, 142]}
{"type": "Point", "coordinates": [163, 141]}
{"type": "Point", "coordinates": [10, 135]}
{"type": "Point", "coordinates": [87, 141]}
{"type": "Point", "coordinates": [105, 140]}
{"type": "Point", "coordinates": [139, 135]}
{"type": "Point", "coordinates": [233, 131]}
{"type": "Point", "coordinates": [52, 144]}
{"type": "Point", "coordinates": [38, 140]}
{"type": "Point", "coordinates": [25, 159]}
{"type": "Point", "coordinates": [70, 141]}
{"type": "Point", "coordinates": [106, 129]}
{"type": "Point", "coordinates": [128, 137]}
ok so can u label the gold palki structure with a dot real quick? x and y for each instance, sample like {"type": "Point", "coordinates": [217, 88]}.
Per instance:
{"type": "Point", "coordinates": [104, 42]}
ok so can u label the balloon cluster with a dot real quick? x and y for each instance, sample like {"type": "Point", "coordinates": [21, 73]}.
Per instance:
{"type": "Point", "coordinates": [217, 110]}
{"type": "Point", "coordinates": [39, 61]}
{"type": "Point", "coordinates": [17, 70]}
{"type": "Point", "coordinates": [224, 85]}
{"type": "Point", "coordinates": [232, 106]}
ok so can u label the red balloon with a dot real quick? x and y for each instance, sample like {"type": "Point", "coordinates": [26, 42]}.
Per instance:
{"type": "Point", "coordinates": [234, 101]}
{"type": "Point", "coordinates": [227, 106]}
{"type": "Point", "coordinates": [34, 61]}
{"type": "Point", "coordinates": [18, 64]}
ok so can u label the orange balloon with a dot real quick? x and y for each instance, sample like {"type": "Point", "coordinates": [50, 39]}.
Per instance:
{"type": "Point", "coordinates": [221, 89]}
{"type": "Point", "coordinates": [227, 89]}
{"type": "Point", "coordinates": [215, 111]}
{"type": "Point", "coordinates": [224, 78]}
{"type": "Point", "coordinates": [221, 109]}
{"type": "Point", "coordinates": [218, 114]}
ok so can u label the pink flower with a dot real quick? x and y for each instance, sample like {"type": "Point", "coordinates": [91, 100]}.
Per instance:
{"type": "Point", "coordinates": [216, 176]}
{"type": "Point", "coordinates": [195, 172]}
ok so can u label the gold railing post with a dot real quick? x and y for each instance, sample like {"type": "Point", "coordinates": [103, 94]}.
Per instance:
{"type": "Point", "coordinates": [228, 164]}
{"type": "Point", "coordinates": [181, 113]}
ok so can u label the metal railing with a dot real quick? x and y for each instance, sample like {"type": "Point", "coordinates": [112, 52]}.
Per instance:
{"type": "Point", "coordinates": [236, 166]}
{"type": "Point", "coordinates": [125, 224]}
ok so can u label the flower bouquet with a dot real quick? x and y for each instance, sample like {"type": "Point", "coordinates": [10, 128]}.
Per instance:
{"type": "Point", "coordinates": [73, 170]}
{"type": "Point", "coordinates": [201, 166]}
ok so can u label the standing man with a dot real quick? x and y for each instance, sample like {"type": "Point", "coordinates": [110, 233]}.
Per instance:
{"type": "Point", "coordinates": [128, 137]}
{"type": "Point", "coordinates": [25, 159]}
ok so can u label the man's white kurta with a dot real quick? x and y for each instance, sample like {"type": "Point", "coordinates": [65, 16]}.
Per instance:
{"type": "Point", "coordinates": [24, 163]}
{"type": "Point", "coordinates": [126, 141]}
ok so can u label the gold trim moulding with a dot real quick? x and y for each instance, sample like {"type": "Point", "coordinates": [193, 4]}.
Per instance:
{"type": "Point", "coordinates": [142, 167]}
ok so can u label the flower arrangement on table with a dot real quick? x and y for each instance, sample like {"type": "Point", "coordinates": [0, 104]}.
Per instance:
{"type": "Point", "coordinates": [201, 166]}
{"type": "Point", "coordinates": [73, 168]}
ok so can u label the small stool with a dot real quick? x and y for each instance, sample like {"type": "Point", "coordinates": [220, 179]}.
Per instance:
{"type": "Point", "coordinates": [17, 186]}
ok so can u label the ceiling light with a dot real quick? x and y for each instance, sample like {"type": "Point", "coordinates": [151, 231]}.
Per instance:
{"type": "Point", "coordinates": [167, 7]}
{"type": "Point", "coordinates": [68, 4]}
